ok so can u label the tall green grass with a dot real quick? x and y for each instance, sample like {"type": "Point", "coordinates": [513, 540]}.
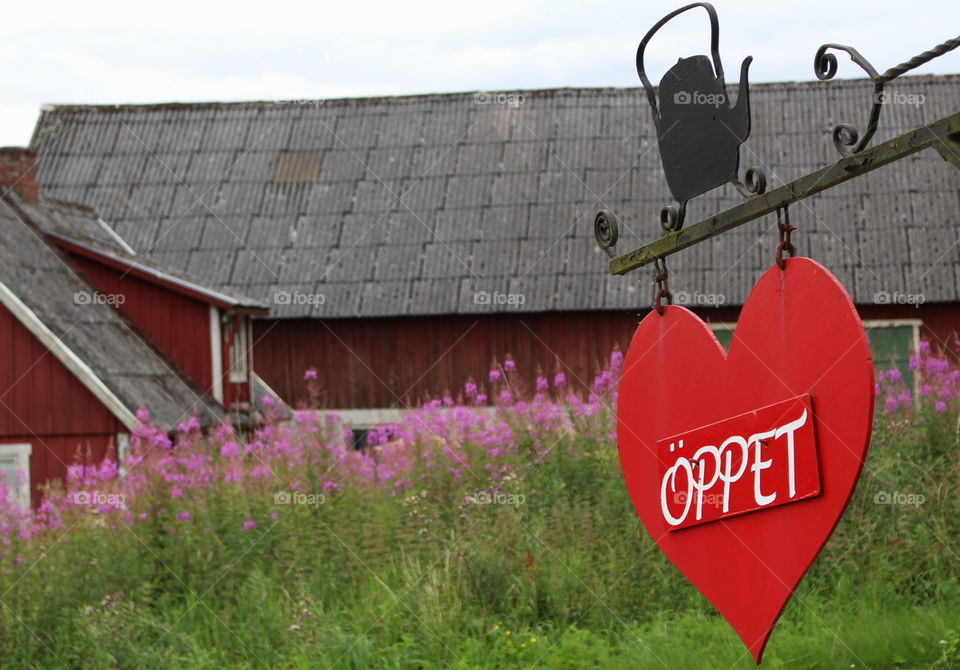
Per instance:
{"type": "Point", "coordinates": [567, 579]}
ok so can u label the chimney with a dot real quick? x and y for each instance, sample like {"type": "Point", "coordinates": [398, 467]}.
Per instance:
{"type": "Point", "coordinates": [17, 170]}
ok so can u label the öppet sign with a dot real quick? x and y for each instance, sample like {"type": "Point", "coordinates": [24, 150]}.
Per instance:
{"type": "Point", "coordinates": [749, 462]}
{"type": "Point", "coordinates": [799, 346]}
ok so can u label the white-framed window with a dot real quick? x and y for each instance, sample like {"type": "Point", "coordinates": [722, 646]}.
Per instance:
{"type": "Point", "coordinates": [891, 342]}
{"type": "Point", "coordinates": [239, 353]}
{"type": "Point", "coordinates": [15, 470]}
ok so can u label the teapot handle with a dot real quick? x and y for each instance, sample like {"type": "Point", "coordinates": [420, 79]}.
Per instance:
{"type": "Point", "coordinates": [714, 47]}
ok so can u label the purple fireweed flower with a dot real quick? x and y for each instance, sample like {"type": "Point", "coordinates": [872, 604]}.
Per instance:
{"type": "Point", "coordinates": [229, 450]}
{"type": "Point", "coordinates": [481, 398]}
{"type": "Point", "coordinates": [509, 365]}
{"type": "Point", "coordinates": [559, 380]}
{"type": "Point", "coordinates": [542, 383]}
{"type": "Point", "coordinates": [904, 398]}
{"type": "Point", "coordinates": [249, 525]}
{"type": "Point", "coordinates": [940, 406]}
{"type": "Point", "coordinates": [183, 516]}
{"type": "Point", "coordinates": [469, 389]}
{"type": "Point", "coordinates": [494, 376]}
{"type": "Point", "coordinates": [310, 373]}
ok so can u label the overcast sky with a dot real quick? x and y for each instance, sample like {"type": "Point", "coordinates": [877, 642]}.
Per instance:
{"type": "Point", "coordinates": [123, 51]}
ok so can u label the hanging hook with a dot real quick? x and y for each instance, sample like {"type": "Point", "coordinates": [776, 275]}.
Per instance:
{"type": "Point", "coordinates": [661, 289]}
{"type": "Point", "coordinates": [784, 245]}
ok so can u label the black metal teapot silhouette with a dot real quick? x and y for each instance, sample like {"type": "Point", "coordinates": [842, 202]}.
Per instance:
{"type": "Point", "coordinates": [699, 132]}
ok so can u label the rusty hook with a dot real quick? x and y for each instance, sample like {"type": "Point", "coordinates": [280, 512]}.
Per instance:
{"type": "Point", "coordinates": [661, 288]}
{"type": "Point", "coordinates": [784, 245]}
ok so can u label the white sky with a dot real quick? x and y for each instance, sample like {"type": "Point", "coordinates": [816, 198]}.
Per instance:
{"type": "Point", "coordinates": [120, 51]}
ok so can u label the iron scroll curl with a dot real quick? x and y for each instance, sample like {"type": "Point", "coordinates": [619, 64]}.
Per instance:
{"type": "Point", "coordinates": [846, 138]}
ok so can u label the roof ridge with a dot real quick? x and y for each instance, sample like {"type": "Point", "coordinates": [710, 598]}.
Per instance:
{"type": "Point", "coordinates": [420, 97]}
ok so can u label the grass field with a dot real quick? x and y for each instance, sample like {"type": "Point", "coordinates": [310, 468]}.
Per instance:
{"type": "Point", "coordinates": [457, 540]}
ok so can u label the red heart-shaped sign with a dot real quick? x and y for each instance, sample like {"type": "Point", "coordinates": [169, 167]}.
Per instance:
{"type": "Point", "coordinates": [740, 463]}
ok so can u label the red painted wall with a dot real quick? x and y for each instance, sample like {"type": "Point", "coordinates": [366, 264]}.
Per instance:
{"type": "Point", "coordinates": [383, 362]}
{"type": "Point", "coordinates": [42, 403]}
{"type": "Point", "coordinates": [176, 324]}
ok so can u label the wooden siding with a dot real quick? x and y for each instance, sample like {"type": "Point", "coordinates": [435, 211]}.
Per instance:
{"type": "Point", "coordinates": [42, 403]}
{"type": "Point", "coordinates": [177, 325]}
{"type": "Point", "coordinates": [387, 362]}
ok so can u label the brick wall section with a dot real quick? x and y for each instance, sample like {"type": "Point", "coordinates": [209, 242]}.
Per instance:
{"type": "Point", "coordinates": [17, 170]}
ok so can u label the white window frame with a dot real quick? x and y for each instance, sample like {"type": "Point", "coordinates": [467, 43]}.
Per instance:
{"type": "Point", "coordinates": [868, 324]}
{"type": "Point", "coordinates": [216, 354]}
{"type": "Point", "coordinates": [240, 344]}
{"type": "Point", "coordinates": [22, 452]}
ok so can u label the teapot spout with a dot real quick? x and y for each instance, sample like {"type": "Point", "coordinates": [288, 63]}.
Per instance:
{"type": "Point", "coordinates": [740, 113]}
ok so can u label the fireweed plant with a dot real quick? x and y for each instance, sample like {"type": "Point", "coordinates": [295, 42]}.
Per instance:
{"type": "Point", "coordinates": [488, 528]}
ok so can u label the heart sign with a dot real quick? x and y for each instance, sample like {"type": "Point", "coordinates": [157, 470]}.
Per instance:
{"type": "Point", "coordinates": [740, 463]}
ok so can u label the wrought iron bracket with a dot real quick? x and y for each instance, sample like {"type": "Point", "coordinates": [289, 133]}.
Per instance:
{"type": "Point", "coordinates": [943, 136]}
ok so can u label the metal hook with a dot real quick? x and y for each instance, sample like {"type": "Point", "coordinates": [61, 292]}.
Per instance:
{"type": "Point", "coordinates": [783, 225]}
{"type": "Point", "coordinates": [661, 288]}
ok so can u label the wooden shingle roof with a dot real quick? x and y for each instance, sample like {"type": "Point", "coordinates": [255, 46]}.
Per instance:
{"type": "Point", "coordinates": [414, 205]}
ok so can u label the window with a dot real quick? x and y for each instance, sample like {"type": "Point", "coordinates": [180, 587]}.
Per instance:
{"type": "Point", "coordinates": [15, 470]}
{"type": "Point", "coordinates": [238, 350]}
{"type": "Point", "coordinates": [891, 343]}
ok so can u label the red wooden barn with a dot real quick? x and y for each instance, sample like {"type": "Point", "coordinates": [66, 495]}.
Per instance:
{"type": "Point", "coordinates": [404, 242]}
{"type": "Point", "coordinates": [90, 333]}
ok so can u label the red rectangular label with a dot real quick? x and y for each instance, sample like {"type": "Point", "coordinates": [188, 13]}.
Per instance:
{"type": "Point", "coordinates": [750, 462]}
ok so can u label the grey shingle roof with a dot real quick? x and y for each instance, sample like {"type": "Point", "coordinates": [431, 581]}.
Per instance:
{"type": "Point", "coordinates": [129, 367]}
{"type": "Point", "coordinates": [81, 225]}
{"type": "Point", "coordinates": [411, 205]}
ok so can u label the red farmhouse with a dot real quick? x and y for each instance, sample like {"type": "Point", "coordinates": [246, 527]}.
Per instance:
{"type": "Point", "coordinates": [90, 333]}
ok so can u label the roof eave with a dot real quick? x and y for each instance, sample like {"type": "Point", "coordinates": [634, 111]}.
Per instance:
{"type": "Point", "coordinates": [159, 277]}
